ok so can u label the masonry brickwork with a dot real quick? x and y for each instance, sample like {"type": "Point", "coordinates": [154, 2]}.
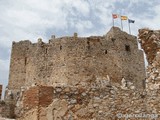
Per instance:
{"type": "Point", "coordinates": [39, 95]}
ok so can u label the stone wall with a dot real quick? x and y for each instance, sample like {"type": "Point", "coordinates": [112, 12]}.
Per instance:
{"type": "Point", "coordinates": [80, 78]}
{"type": "Point", "coordinates": [0, 91]}
{"type": "Point", "coordinates": [104, 99]}
{"type": "Point", "coordinates": [99, 100]}
{"type": "Point", "coordinates": [73, 60]}
{"type": "Point", "coordinates": [33, 98]}
{"type": "Point", "coordinates": [38, 96]}
{"type": "Point", "coordinates": [150, 41]}
{"type": "Point", "coordinates": [8, 108]}
{"type": "Point", "coordinates": [17, 74]}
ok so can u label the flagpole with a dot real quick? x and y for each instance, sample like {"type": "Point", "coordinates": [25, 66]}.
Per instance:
{"type": "Point", "coordinates": [113, 20]}
{"type": "Point", "coordinates": [129, 28]}
{"type": "Point", "coordinates": [121, 25]}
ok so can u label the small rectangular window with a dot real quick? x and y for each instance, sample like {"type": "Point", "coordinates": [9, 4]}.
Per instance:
{"type": "Point", "coordinates": [88, 45]}
{"type": "Point", "coordinates": [46, 50]}
{"type": "Point", "coordinates": [25, 62]}
{"type": "Point", "coordinates": [144, 83]}
{"type": "Point", "coordinates": [105, 52]}
{"type": "Point", "coordinates": [60, 47]}
{"type": "Point", "coordinates": [127, 48]}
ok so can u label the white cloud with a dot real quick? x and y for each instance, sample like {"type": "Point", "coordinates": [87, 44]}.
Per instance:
{"type": "Point", "coordinates": [81, 26]}
{"type": "Point", "coordinates": [81, 6]}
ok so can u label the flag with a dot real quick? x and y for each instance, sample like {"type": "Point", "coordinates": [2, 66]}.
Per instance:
{"type": "Point", "coordinates": [115, 16]}
{"type": "Point", "coordinates": [131, 21]}
{"type": "Point", "coordinates": [124, 17]}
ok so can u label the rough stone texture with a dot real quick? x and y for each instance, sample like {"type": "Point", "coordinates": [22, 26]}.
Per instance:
{"type": "Point", "coordinates": [2, 106]}
{"type": "Point", "coordinates": [0, 91]}
{"type": "Point", "coordinates": [30, 115]}
{"type": "Point", "coordinates": [150, 41]}
{"type": "Point", "coordinates": [35, 97]}
{"type": "Point", "coordinates": [94, 101]}
{"type": "Point", "coordinates": [8, 110]}
{"type": "Point", "coordinates": [73, 60]}
{"type": "Point", "coordinates": [40, 95]}
{"type": "Point", "coordinates": [76, 78]}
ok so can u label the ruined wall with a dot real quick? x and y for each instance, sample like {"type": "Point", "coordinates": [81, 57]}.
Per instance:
{"type": "Point", "coordinates": [99, 100]}
{"type": "Point", "coordinates": [0, 91]}
{"type": "Point", "coordinates": [150, 41]}
{"type": "Point", "coordinates": [93, 77]}
{"type": "Point", "coordinates": [38, 96]}
{"type": "Point", "coordinates": [76, 60]}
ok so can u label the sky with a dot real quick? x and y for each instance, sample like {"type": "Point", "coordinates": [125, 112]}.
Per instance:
{"type": "Point", "coordinates": [33, 19]}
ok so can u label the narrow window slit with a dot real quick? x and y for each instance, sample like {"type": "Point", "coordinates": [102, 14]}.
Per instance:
{"type": "Point", "coordinates": [25, 61]}
{"type": "Point", "coordinates": [105, 51]}
{"type": "Point", "coordinates": [60, 47]}
{"type": "Point", "coordinates": [127, 48]}
{"type": "Point", "coordinates": [88, 45]}
{"type": "Point", "coordinates": [46, 50]}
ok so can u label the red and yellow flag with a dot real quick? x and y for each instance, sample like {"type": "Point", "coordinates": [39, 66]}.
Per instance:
{"type": "Point", "coordinates": [115, 16]}
{"type": "Point", "coordinates": [124, 18]}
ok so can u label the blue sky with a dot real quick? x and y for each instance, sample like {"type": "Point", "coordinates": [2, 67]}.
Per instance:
{"type": "Point", "coordinates": [33, 19]}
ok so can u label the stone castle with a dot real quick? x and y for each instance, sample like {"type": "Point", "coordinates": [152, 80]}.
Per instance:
{"type": "Point", "coordinates": [73, 60]}
{"type": "Point", "coordinates": [84, 78]}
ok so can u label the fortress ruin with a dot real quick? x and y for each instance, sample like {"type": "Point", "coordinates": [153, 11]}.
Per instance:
{"type": "Point", "coordinates": [84, 78]}
{"type": "Point", "coordinates": [74, 60]}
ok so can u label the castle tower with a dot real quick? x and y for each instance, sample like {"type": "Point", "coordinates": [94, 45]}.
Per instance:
{"type": "Point", "coordinates": [67, 60]}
